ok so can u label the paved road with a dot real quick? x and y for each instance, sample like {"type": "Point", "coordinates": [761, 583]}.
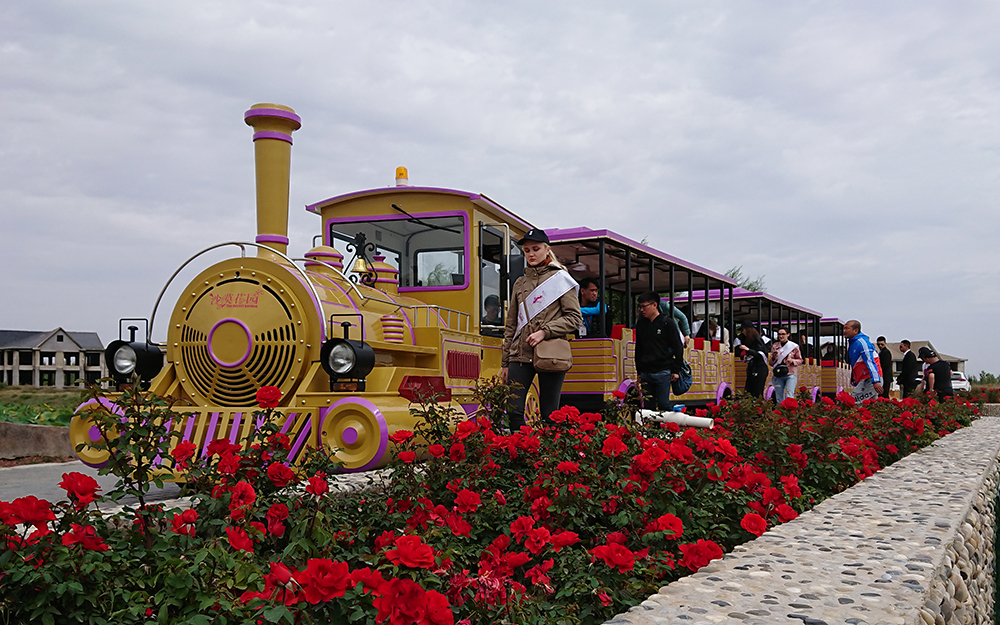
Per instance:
{"type": "Point", "coordinates": [42, 481]}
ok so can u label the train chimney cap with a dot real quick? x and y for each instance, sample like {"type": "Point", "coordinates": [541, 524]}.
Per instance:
{"type": "Point", "coordinates": [402, 178]}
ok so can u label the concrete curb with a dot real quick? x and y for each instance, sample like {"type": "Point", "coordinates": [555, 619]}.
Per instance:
{"type": "Point", "coordinates": [19, 440]}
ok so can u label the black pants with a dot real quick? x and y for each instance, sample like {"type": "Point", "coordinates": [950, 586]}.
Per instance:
{"type": "Point", "coordinates": [549, 390]}
{"type": "Point", "coordinates": [906, 390]}
{"type": "Point", "coordinates": [756, 379]}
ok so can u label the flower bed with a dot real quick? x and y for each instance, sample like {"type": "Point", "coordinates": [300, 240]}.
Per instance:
{"type": "Point", "coordinates": [568, 524]}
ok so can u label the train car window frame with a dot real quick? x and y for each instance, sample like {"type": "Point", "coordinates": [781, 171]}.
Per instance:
{"type": "Point", "coordinates": [501, 266]}
{"type": "Point", "coordinates": [404, 254]}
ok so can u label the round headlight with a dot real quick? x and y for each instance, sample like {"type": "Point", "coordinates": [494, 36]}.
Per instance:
{"type": "Point", "coordinates": [125, 360]}
{"type": "Point", "coordinates": [341, 359]}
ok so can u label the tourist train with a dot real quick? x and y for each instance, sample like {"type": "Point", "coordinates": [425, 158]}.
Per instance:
{"type": "Point", "coordinates": [391, 309]}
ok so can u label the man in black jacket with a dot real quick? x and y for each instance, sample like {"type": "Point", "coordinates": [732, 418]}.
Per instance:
{"type": "Point", "coordinates": [885, 362]}
{"type": "Point", "coordinates": [907, 379]}
{"type": "Point", "coordinates": [658, 351]}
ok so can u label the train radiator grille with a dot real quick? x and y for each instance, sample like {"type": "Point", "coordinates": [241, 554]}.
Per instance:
{"type": "Point", "coordinates": [270, 361]}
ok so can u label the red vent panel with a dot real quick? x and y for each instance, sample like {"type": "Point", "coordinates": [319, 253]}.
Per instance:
{"type": "Point", "coordinates": [464, 365]}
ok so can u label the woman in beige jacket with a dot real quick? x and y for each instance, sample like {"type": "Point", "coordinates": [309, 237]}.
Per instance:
{"type": "Point", "coordinates": [544, 305]}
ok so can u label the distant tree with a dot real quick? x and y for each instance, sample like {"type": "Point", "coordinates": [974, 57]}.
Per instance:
{"type": "Point", "coordinates": [985, 379]}
{"type": "Point", "coordinates": [744, 282]}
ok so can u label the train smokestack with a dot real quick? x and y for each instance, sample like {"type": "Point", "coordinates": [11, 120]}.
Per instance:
{"type": "Point", "coordinates": [273, 125]}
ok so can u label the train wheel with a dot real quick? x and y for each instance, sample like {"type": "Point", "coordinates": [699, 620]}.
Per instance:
{"type": "Point", "coordinates": [532, 412]}
{"type": "Point", "coordinates": [356, 429]}
{"type": "Point", "coordinates": [83, 429]}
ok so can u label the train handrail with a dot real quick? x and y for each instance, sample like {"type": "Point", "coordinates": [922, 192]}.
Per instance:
{"type": "Point", "coordinates": [243, 254]}
{"type": "Point", "coordinates": [438, 309]}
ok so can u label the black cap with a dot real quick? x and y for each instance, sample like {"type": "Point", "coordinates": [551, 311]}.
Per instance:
{"type": "Point", "coordinates": [746, 324]}
{"type": "Point", "coordinates": [536, 235]}
{"type": "Point", "coordinates": [926, 352]}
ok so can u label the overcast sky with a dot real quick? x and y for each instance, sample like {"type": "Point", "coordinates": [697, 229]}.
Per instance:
{"type": "Point", "coordinates": [849, 152]}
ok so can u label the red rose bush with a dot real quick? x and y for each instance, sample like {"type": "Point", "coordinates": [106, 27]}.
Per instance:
{"type": "Point", "coordinates": [569, 523]}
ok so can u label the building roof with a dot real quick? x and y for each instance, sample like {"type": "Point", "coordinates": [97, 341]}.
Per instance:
{"type": "Point", "coordinates": [915, 347]}
{"type": "Point", "coordinates": [32, 339]}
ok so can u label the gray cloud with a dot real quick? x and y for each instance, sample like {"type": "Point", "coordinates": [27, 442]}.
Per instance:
{"type": "Point", "coordinates": [847, 151]}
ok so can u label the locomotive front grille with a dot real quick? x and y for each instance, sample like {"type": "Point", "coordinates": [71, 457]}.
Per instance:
{"type": "Point", "coordinates": [237, 336]}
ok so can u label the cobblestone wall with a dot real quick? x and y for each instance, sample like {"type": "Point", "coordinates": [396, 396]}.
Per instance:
{"type": "Point", "coordinates": [913, 544]}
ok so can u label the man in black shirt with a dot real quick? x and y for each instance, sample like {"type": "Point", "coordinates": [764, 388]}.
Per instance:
{"type": "Point", "coordinates": [907, 379]}
{"type": "Point", "coordinates": [658, 351]}
{"type": "Point", "coordinates": [938, 376]}
{"type": "Point", "coordinates": [885, 362]}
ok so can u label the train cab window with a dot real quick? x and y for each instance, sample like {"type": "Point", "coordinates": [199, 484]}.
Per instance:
{"type": "Point", "coordinates": [492, 292]}
{"type": "Point", "coordinates": [430, 252]}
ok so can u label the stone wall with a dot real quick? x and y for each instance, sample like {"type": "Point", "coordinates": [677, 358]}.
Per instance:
{"type": "Point", "coordinates": [912, 544]}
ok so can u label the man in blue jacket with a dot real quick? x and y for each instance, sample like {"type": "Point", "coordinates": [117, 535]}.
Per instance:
{"type": "Point", "coordinates": [866, 373]}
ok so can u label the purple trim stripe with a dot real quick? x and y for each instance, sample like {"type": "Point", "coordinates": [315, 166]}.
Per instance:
{"type": "Point", "coordinates": [465, 227]}
{"type": "Point", "coordinates": [300, 440]}
{"type": "Point", "coordinates": [234, 431]}
{"type": "Point", "coordinates": [210, 432]}
{"type": "Point", "coordinates": [271, 134]}
{"type": "Point", "coordinates": [269, 112]}
{"type": "Point", "coordinates": [288, 422]}
{"type": "Point", "coordinates": [271, 238]}
{"type": "Point", "coordinates": [192, 419]}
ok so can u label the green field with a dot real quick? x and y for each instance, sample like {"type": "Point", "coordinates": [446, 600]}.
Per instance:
{"type": "Point", "coordinates": [40, 406]}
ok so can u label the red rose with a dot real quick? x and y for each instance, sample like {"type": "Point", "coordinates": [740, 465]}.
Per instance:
{"type": "Point", "coordinates": [457, 452]}
{"type": "Point", "coordinates": [697, 555]}
{"type": "Point", "coordinates": [239, 539]}
{"type": "Point", "coordinates": [668, 523]}
{"type": "Point", "coordinates": [613, 446]}
{"type": "Point", "coordinates": [369, 579]}
{"type": "Point", "coordinates": [438, 609]}
{"type": "Point", "coordinates": [754, 523]}
{"type": "Point", "coordinates": [520, 526]}
{"type": "Point", "coordinates": [790, 484]}
{"type": "Point", "coordinates": [568, 467]}
{"type": "Point", "coordinates": [280, 573]}
{"type": "Point", "coordinates": [280, 474]}
{"type": "Point", "coordinates": [500, 499]}
{"type": "Point", "coordinates": [411, 551]}
{"type": "Point", "coordinates": [229, 463]}
{"type": "Point", "coordinates": [407, 456]}
{"type": "Point", "coordinates": [80, 488]}
{"type": "Point", "coordinates": [221, 446]}
{"type": "Point", "coordinates": [243, 496]}
{"type": "Point", "coordinates": [86, 536]}
{"type": "Point", "coordinates": [436, 450]}
{"type": "Point", "coordinates": [458, 525]}
{"type": "Point", "coordinates": [615, 556]}
{"type": "Point", "coordinates": [537, 574]}
{"type": "Point", "coordinates": [786, 513]}
{"type": "Point", "coordinates": [536, 540]}
{"type": "Point", "coordinates": [324, 580]}
{"type": "Point", "coordinates": [317, 486]}
{"type": "Point", "coordinates": [268, 396]}
{"type": "Point", "coordinates": [467, 501]}
{"type": "Point", "coordinates": [564, 539]}
{"type": "Point", "coordinates": [400, 601]}
{"type": "Point", "coordinates": [183, 451]}
{"type": "Point", "coordinates": [466, 429]}
{"type": "Point", "coordinates": [31, 510]}
{"type": "Point", "coordinates": [401, 436]}
{"type": "Point", "coordinates": [790, 403]}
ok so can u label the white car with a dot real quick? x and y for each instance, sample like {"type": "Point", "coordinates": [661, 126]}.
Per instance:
{"type": "Point", "coordinates": [959, 382]}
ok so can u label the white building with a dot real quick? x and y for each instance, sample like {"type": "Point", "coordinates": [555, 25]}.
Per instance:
{"type": "Point", "coordinates": [54, 358]}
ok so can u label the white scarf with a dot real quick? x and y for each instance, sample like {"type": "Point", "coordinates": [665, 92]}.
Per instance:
{"type": "Point", "coordinates": [543, 295]}
{"type": "Point", "coordinates": [784, 351]}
